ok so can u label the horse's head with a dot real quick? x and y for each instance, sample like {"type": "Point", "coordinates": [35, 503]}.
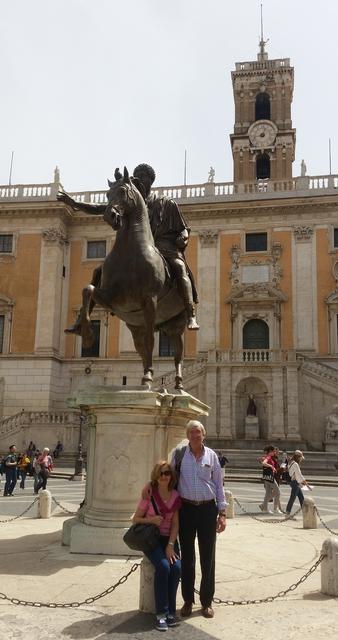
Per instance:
{"type": "Point", "coordinates": [124, 198]}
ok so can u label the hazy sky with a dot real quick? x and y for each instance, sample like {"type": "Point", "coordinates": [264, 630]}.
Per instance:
{"type": "Point", "coordinates": [89, 85]}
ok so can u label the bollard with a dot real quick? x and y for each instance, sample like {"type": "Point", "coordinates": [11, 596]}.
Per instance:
{"type": "Point", "coordinates": [329, 567]}
{"type": "Point", "coordinates": [44, 504]}
{"type": "Point", "coordinates": [147, 595]}
{"type": "Point", "coordinates": [309, 514]}
{"type": "Point", "coordinates": [230, 512]}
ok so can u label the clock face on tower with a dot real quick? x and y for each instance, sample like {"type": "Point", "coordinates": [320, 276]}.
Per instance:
{"type": "Point", "coordinates": [262, 134]}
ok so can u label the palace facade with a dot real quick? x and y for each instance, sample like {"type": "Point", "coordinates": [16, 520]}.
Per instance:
{"type": "Point", "coordinates": [264, 250]}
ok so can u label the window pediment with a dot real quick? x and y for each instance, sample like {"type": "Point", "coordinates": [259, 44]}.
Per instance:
{"type": "Point", "coordinates": [264, 292]}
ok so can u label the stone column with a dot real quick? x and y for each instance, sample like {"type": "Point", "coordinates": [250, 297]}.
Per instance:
{"type": "Point", "coordinates": [292, 403]}
{"type": "Point", "coordinates": [277, 427]}
{"type": "Point", "coordinates": [208, 290]}
{"type": "Point", "coordinates": [211, 394]}
{"type": "Point", "coordinates": [129, 430]}
{"type": "Point", "coordinates": [49, 312]}
{"type": "Point", "coordinates": [225, 430]}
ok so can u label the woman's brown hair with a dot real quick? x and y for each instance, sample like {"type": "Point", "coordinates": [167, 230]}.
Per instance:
{"type": "Point", "coordinates": [155, 474]}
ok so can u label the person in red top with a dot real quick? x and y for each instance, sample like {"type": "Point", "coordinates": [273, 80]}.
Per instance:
{"type": "Point", "coordinates": [165, 557]}
{"type": "Point", "coordinates": [270, 469]}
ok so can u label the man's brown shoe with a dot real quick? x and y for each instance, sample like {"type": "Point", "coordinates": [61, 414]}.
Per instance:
{"type": "Point", "coordinates": [186, 610]}
{"type": "Point", "coordinates": [208, 612]}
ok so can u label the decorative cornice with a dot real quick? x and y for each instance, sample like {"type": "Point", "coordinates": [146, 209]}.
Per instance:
{"type": "Point", "coordinates": [208, 237]}
{"type": "Point", "coordinates": [54, 234]}
{"type": "Point", "coordinates": [303, 233]}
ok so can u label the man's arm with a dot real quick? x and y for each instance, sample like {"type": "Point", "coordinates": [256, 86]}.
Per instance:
{"type": "Point", "coordinates": [93, 209]}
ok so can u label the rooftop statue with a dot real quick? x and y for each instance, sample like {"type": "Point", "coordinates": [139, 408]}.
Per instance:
{"type": "Point", "coordinates": [145, 279]}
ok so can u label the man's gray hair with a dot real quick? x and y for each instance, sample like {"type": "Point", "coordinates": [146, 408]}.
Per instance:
{"type": "Point", "coordinates": [193, 424]}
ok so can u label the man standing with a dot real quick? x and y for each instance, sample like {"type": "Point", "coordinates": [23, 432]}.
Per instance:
{"type": "Point", "coordinates": [203, 514]}
{"type": "Point", "coordinates": [10, 471]}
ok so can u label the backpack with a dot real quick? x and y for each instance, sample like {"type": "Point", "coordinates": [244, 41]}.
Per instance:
{"type": "Point", "coordinates": [178, 456]}
{"type": "Point", "coordinates": [3, 466]}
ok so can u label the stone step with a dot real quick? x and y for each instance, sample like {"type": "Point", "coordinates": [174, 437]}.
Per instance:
{"type": "Point", "coordinates": [248, 461]}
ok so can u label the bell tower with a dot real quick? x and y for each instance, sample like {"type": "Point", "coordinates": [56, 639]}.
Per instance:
{"type": "Point", "coordinates": [263, 142]}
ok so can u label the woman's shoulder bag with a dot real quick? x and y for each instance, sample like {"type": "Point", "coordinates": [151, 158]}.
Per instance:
{"type": "Point", "coordinates": [143, 537]}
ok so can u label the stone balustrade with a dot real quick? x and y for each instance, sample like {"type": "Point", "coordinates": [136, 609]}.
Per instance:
{"type": "Point", "coordinates": [12, 424]}
{"type": "Point", "coordinates": [218, 191]}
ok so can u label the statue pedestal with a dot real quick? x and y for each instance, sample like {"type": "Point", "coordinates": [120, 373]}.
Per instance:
{"type": "Point", "coordinates": [251, 428]}
{"type": "Point", "coordinates": [129, 430]}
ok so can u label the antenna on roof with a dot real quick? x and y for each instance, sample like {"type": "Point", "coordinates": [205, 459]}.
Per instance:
{"type": "Point", "coordinates": [262, 55]}
{"type": "Point", "coordinates": [10, 169]}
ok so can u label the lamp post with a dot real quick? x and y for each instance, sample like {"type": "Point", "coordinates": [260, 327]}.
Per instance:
{"type": "Point", "coordinates": [78, 472]}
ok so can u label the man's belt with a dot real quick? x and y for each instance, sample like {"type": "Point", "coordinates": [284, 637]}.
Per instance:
{"type": "Point", "coordinates": [197, 503]}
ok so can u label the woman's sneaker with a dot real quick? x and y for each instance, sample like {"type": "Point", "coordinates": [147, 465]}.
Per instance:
{"type": "Point", "coordinates": [278, 511]}
{"type": "Point", "coordinates": [161, 624]}
{"type": "Point", "coordinates": [172, 621]}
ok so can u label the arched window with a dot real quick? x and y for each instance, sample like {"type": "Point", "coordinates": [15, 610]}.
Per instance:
{"type": "Point", "coordinates": [255, 335]}
{"type": "Point", "coordinates": [262, 166]}
{"type": "Point", "coordinates": [262, 106]}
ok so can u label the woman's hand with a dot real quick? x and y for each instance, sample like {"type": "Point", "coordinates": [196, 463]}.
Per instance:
{"type": "Point", "coordinates": [170, 554]}
{"type": "Point", "coordinates": [155, 520]}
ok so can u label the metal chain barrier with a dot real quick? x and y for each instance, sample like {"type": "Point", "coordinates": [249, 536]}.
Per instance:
{"type": "Point", "coordinates": [21, 514]}
{"type": "Point", "coordinates": [72, 605]}
{"type": "Point", "coordinates": [274, 521]}
{"type": "Point", "coordinates": [280, 594]}
{"type": "Point", "coordinates": [58, 504]}
{"type": "Point", "coordinates": [335, 533]}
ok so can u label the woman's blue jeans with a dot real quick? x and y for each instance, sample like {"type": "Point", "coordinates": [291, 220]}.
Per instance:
{"type": "Point", "coordinates": [167, 577]}
{"type": "Point", "coordinates": [295, 492]}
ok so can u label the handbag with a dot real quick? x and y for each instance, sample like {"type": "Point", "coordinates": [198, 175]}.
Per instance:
{"type": "Point", "coordinates": [143, 537]}
{"type": "Point", "coordinates": [268, 475]}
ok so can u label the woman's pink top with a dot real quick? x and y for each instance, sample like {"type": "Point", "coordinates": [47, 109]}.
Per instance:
{"type": "Point", "coordinates": [273, 461]}
{"type": "Point", "coordinates": [166, 512]}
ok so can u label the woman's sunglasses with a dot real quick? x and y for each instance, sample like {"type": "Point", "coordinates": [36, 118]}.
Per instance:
{"type": "Point", "coordinates": [165, 473]}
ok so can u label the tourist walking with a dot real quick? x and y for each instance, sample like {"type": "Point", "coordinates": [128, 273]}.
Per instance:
{"type": "Point", "coordinates": [44, 461]}
{"type": "Point", "coordinates": [200, 486]}
{"type": "Point", "coordinates": [165, 557]}
{"type": "Point", "coordinates": [297, 481]}
{"type": "Point", "coordinates": [23, 468]}
{"type": "Point", "coordinates": [272, 491]}
{"type": "Point", "coordinates": [10, 465]}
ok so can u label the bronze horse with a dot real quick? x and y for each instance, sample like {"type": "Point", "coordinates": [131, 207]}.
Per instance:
{"type": "Point", "coordinates": [135, 284]}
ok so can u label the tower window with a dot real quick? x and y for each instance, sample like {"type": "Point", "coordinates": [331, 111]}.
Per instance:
{"type": "Point", "coordinates": [94, 350]}
{"type": "Point", "coordinates": [6, 243]}
{"type": "Point", "coordinates": [96, 249]}
{"type": "Point", "coordinates": [262, 166]}
{"type": "Point", "coordinates": [262, 106]}
{"type": "Point", "coordinates": [335, 238]}
{"type": "Point", "coordinates": [256, 242]}
{"type": "Point", "coordinates": [166, 348]}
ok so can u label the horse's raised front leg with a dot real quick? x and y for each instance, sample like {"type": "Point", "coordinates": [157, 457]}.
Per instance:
{"type": "Point", "coordinates": [90, 296]}
{"type": "Point", "coordinates": [83, 321]}
{"type": "Point", "coordinates": [149, 310]}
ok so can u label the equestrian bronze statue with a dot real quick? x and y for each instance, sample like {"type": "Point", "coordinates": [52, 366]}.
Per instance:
{"type": "Point", "coordinates": [136, 282]}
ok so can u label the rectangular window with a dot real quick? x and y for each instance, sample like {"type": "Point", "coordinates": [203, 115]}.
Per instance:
{"type": "Point", "coordinates": [6, 243]}
{"type": "Point", "coordinates": [96, 249]}
{"type": "Point", "coordinates": [256, 242]}
{"type": "Point", "coordinates": [94, 350]}
{"type": "Point", "coordinates": [166, 348]}
{"type": "Point", "coordinates": [335, 238]}
{"type": "Point", "coordinates": [2, 330]}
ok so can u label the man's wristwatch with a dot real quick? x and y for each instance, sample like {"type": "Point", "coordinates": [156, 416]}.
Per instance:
{"type": "Point", "coordinates": [172, 544]}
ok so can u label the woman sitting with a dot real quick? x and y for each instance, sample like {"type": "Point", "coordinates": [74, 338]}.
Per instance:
{"type": "Point", "coordinates": [165, 557]}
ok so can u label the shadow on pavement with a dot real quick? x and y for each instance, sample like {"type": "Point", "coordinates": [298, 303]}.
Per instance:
{"type": "Point", "coordinates": [128, 623]}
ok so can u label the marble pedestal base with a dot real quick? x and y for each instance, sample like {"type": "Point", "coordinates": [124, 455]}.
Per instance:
{"type": "Point", "coordinates": [251, 427]}
{"type": "Point", "coordinates": [129, 430]}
